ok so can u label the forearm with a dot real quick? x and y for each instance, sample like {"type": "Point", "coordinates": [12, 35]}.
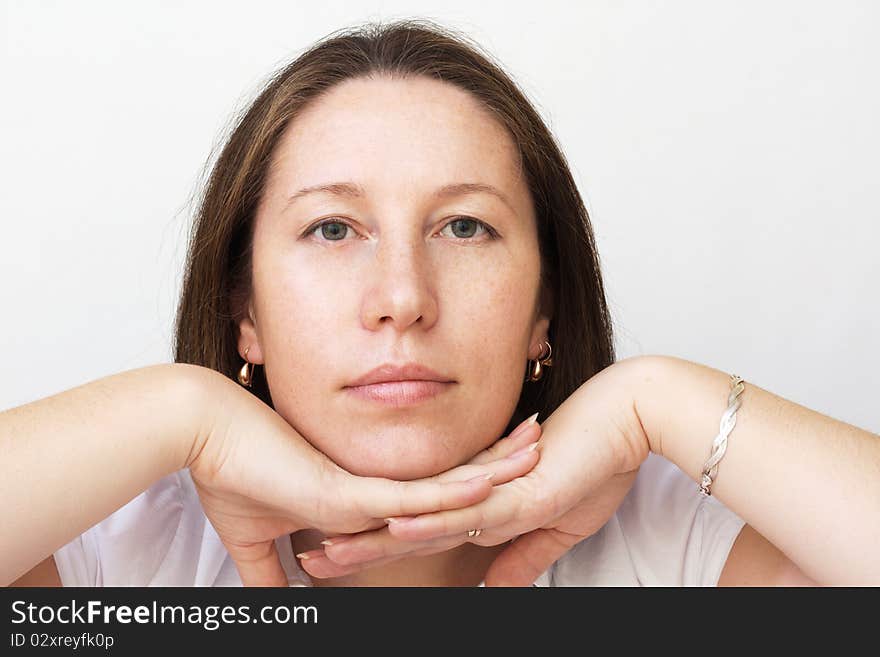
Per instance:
{"type": "Point", "coordinates": [70, 460]}
{"type": "Point", "coordinates": [808, 483]}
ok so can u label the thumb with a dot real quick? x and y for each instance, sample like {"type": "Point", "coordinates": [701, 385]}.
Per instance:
{"type": "Point", "coordinates": [526, 559]}
{"type": "Point", "coordinates": [258, 564]}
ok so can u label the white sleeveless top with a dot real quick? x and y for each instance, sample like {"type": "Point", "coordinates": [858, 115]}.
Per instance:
{"type": "Point", "coordinates": [663, 534]}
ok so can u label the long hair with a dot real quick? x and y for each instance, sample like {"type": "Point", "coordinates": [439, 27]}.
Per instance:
{"type": "Point", "coordinates": [217, 276]}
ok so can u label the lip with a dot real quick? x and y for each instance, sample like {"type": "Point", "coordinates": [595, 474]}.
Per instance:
{"type": "Point", "coordinates": [399, 393]}
{"type": "Point", "coordinates": [388, 372]}
{"type": "Point", "coordinates": [399, 385]}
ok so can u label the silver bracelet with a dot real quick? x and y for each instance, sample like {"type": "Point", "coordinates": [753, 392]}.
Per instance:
{"type": "Point", "coordinates": [719, 445]}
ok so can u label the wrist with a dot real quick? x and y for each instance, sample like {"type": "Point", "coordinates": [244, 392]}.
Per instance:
{"type": "Point", "coordinates": [634, 445]}
{"type": "Point", "coordinates": [647, 386]}
{"type": "Point", "coordinates": [195, 390]}
{"type": "Point", "coordinates": [680, 403]}
{"type": "Point", "coordinates": [648, 381]}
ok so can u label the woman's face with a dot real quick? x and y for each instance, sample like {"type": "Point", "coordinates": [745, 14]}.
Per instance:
{"type": "Point", "coordinates": [402, 274]}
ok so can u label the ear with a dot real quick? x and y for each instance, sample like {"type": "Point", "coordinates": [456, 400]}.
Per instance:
{"type": "Point", "coordinates": [248, 338]}
{"type": "Point", "coordinates": [541, 328]}
{"type": "Point", "coordinates": [540, 333]}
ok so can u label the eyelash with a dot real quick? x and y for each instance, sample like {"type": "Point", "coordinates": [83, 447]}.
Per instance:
{"type": "Point", "coordinates": [492, 234]}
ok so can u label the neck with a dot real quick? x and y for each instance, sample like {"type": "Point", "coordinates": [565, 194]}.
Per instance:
{"type": "Point", "coordinates": [465, 565]}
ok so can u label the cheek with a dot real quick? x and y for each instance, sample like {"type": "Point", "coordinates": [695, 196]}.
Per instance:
{"type": "Point", "coordinates": [495, 319]}
{"type": "Point", "coordinates": [497, 357]}
{"type": "Point", "coordinates": [300, 320]}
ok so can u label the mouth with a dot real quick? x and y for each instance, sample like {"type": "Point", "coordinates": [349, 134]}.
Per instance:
{"type": "Point", "coordinates": [400, 393]}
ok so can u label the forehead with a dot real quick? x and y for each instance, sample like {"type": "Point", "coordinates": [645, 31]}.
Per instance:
{"type": "Point", "coordinates": [414, 133]}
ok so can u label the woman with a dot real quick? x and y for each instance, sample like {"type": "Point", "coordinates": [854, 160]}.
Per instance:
{"type": "Point", "coordinates": [388, 245]}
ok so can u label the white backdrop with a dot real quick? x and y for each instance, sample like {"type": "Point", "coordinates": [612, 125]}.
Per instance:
{"type": "Point", "coordinates": [727, 153]}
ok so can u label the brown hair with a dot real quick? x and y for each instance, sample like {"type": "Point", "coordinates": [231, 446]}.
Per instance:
{"type": "Point", "coordinates": [217, 273]}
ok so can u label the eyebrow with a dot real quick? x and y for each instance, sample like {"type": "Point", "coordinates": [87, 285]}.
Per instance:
{"type": "Point", "coordinates": [353, 190]}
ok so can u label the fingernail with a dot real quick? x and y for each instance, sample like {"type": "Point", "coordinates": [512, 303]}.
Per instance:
{"type": "Point", "coordinates": [486, 477]}
{"type": "Point", "coordinates": [397, 520]}
{"type": "Point", "coordinates": [302, 555]}
{"type": "Point", "coordinates": [524, 450]}
{"type": "Point", "coordinates": [525, 424]}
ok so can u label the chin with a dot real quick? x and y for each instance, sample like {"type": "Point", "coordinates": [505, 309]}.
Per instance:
{"type": "Point", "coordinates": [400, 464]}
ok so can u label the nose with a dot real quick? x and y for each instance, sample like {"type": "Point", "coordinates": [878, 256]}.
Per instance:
{"type": "Point", "coordinates": [400, 290]}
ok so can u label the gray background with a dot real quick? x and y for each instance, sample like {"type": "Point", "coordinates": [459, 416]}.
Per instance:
{"type": "Point", "coordinates": [727, 153]}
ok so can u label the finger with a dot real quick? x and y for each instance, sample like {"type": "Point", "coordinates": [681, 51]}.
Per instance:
{"type": "Point", "coordinates": [503, 507]}
{"type": "Point", "coordinates": [512, 467]}
{"type": "Point", "coordinates": [527, 432]}
{"type": "Point", "coordinates": [319, 564]}
{"type": "Point", "coordinates": [381, 498]}
{"type": "Point", "coordinates": [503, 469]}
{"type": "Point", "coordinates": [528, 436]}
{"type": "Point", "coordinates": [371, 546]}
{"type": "Point", "coordinates": [258, 564]}
{"type": "Point", "coordinates": [322, 567]}
{"type": "Point", "coordinates": [526, 559]}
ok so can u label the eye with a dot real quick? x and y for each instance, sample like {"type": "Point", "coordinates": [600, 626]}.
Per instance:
{"type": "Point", "coordinates": [334, 230]}
{"type": "Point", "coordinates": [463, 224]}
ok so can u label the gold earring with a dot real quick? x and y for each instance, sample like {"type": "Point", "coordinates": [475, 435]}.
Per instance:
{"type": "Point", "coordinates": [535, 369]}
{"type": "Point", "coordinates": [246, 372]}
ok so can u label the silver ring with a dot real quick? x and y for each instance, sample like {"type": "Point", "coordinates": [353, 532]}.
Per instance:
{"type": "Point", "coordinates": [475, 532]}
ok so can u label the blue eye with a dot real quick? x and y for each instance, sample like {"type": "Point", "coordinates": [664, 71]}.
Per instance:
{"type": "Point", "coordinates": [334, 230]}
{"type": "Point", "coordinates": [463, 222]}
{"type": "Point", "coordinates": [331, 235]}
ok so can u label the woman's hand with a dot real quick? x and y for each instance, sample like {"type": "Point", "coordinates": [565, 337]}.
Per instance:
{"type": "Point", "coordinates": [259, 479]}
{"type": "Point", "coordinates": [591, 449]}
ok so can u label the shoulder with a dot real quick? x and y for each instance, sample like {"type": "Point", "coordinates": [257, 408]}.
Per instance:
{"type": "Point", "coordinates": [160, 538]}
{"type": "Point", "coordinates": [665, 533]}
{"type": "Point", "coordinates": [148, 541]}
